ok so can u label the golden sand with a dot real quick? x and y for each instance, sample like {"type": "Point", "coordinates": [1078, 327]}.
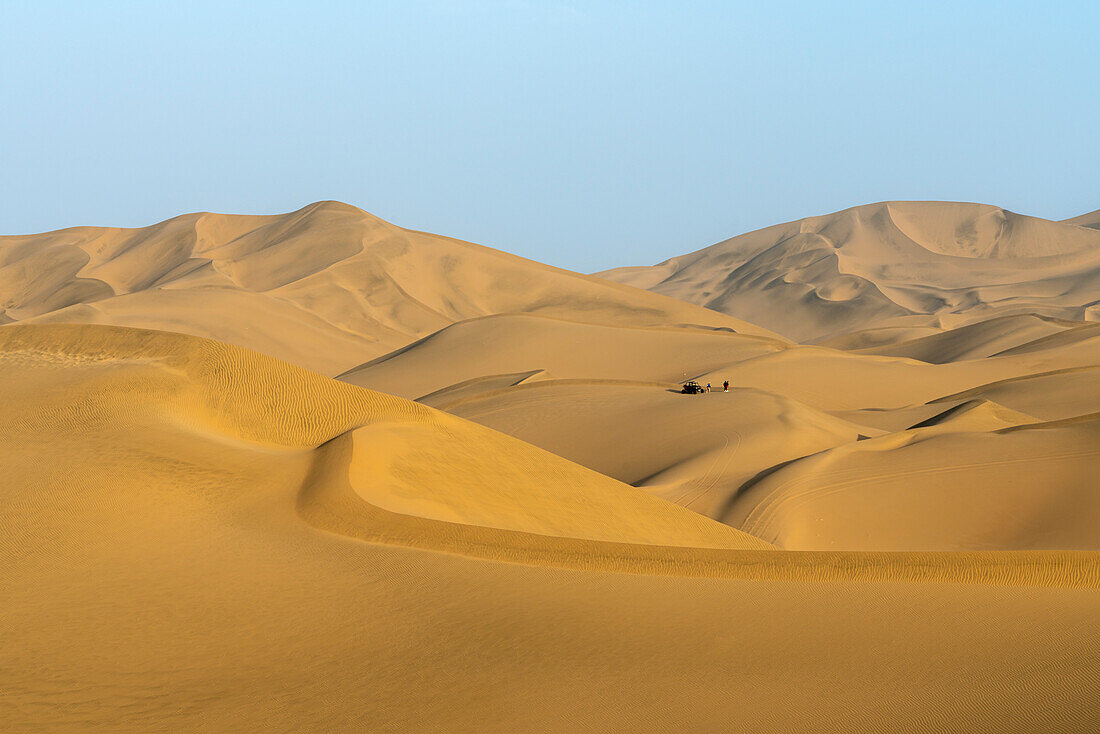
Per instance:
{"type": "Point", "coordinates": [893, 529]}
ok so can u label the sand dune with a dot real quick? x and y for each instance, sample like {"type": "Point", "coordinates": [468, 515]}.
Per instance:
{"type": "Point", "coordinates": [202, 537]}
{"type": "Point", "coordinates": [834, 380]}
{"type": "Point", "coordinates": [327, 287]}
{"type": "Point", "coordinates": [879, 336]}
{"type": "Point", "coordinates": [221, 393]}
{"type": "Point", "coordinates": [693, 451]}
{"type": "Point", "coordinates": [974, 415]}
{"type": "Point", "coordinates": [510, 344]}
{"type": "Point", "coordinates": [1053, 395]}
{"type": "Point", "coordinates": [885, 264]}
{"type": "Point", "coordinates": [607, 398]}
{"type": "Point", "coordinates": [1008, 488]}
{"type": "Point", "coordinates": [1090, 220]}
{"type": "Point", "coordinates": [1083, 334]}
{"type": "Point", "coordinates": [974, 341]}
{"type": "Point", "coordinates": [791, 410]}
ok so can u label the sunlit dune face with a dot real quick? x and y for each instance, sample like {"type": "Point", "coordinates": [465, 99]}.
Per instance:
{"type": "Point", "coordinates": [314, 472]}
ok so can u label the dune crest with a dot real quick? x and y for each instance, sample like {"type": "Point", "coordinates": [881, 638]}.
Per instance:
{"type": "Point", "coordinates": [1006, 483]}
{"type": "Point", "coordinates": [889, 264]}
{"type": "Point", "coordinates": [327, 287]}
{"type": "Point", "coordinates": [246, 399]}
{"type": "Point", "coordinates": [207, 534]}
{"type": "Point", "coordinates": [202, 537]}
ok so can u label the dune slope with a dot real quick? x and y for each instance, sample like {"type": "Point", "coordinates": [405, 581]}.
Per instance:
{"type": "Point", "coordinates": [892, 263]}
{"type": "Point", "coordinates": [520, 343]}
{"type": "Point", "coordinates": [608, 398]}
{"type": "Point", "coordinates": [327, 287]}
{"type": "Point", "coordinates": [1090, 220]}
{"type": "Point", "coordinates": [1022, 486]}
{"type": "Point", "coordinates": [692, 450]}
{"type": "Point", "coordinates": [201, 537]}
{"type": "Point", "coordinates": [974, 341]}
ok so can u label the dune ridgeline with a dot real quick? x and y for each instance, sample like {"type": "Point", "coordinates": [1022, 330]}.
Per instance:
{"type": "Point", "coordinates": [316, 472]}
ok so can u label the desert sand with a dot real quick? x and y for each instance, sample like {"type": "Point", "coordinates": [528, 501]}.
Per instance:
{"type": "Point", "coordinates": [898, 263]}
{"type": "Point", "coordinates": [327, 287]}
{"type": "Point", "coordinates": [317, 472]}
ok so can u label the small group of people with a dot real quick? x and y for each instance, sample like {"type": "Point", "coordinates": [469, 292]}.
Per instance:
{"type": "Point", "coordinates": [725, 386]}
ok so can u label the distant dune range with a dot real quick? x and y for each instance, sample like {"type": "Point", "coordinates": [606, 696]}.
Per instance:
{"type": "Point", "coordinates": [327, 287]}
{"type": "Point", "coordinates": [894, 265]}
{"type": "Point", "coordinates": [503, 515]}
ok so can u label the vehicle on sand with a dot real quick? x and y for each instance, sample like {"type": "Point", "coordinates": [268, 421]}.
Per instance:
{"type": "Point", "coordinates": [692, 387]}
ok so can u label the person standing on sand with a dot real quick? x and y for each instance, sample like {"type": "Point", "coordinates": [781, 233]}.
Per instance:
{"type": "Point", "coordinates": [708, 387]}
{"type": "Point", "coordinates": [726, 386]}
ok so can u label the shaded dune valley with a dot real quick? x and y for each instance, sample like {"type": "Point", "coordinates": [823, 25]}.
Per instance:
{"type": "Point", "coordinates": [317, 472]}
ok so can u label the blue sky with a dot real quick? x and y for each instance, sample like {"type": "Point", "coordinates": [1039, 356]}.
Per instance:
{"type": "Point", "coordinates": [583, 134]}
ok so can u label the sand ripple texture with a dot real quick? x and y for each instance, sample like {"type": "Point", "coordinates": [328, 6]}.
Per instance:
{"type": "Point", "coordinates": [194, 536]}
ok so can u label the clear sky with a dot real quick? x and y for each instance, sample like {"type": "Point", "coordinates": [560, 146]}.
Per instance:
{"type": "Point", "coordinates": [583, 134]}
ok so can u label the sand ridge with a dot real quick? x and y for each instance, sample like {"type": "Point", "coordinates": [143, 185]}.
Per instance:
{"type": "Point", "coordinates": [328, 286]}
{"type": "Point", "coordinates": [887, 263]}
{"type": "Point", "coordinates": [190, 542]}
{"type": "Point", "coordinates": [609, 399]}
{"type": "Point", "coordinates": [895, 525]}
{"type": "Point", "coordinates": [371, 446]}
{"type": "Point", "coordinates": [510, 343]}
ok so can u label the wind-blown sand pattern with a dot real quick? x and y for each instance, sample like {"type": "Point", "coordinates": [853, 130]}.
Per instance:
{"type": "Point", "coordinates": [327, 287]}
{"type": "Point", "coordinates": [503, 516]}
{"type": "Point", "coordinates": [898, 263]}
